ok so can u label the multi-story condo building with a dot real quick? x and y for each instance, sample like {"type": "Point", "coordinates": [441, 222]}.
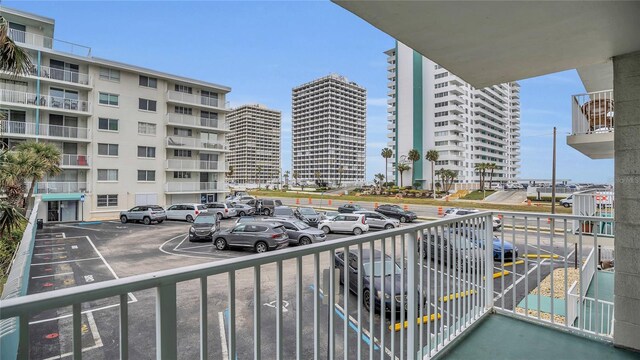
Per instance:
{"type": "Point", "coordinates": [254, 142]}
{"type": "Point", "coordinates": [128, 135]}
{"type": "Point", "coordinates": [431, 108]}
{"type": "Point", "coordinates": [329, 131]}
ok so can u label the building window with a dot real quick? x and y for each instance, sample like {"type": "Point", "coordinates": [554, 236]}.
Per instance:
{"type": "Point", "coordinates": [183, 110]}
{"type": "Point", "coordinates": [109, 74]}
{"type": "Point", "coordinates": [146, 175]}
{"type": "Point", "coordinates": [441, 123]}
{"type": "Point", "coordinates": [441, 85]}
{"type": "Point", "coordinates": [147, 81]}
{"type": "Point", "coordinates": [147, 105]}
{"type": "Point", "coordinates": [146, 151]}
{"type": "Point", "coordinates": [108, 149]}
{"type": "Point", "coordinates": [441, 104]}
{"type": "Point", "coordinates": [181, 175]}
{"type": "Point", "coordinates": [441, 113]}
{"type": "Point", "coordinates": [182, 153]}
{"type": "Point", "coordinates": [108, 99]}
{"type": "Point", "coordinates": [108, 124]}
{"type": "Point", "coordinates": [107, 200]}
{"type": "Point", "coordinates": [442, 75]}
{"type": "Point", "coordinates": [107, 174]}
{"type": "Point", "coordinates": [182, 132]}
{"type": "Point", "coordinates": [145, 128]}
{"type": "Point", "coordinates": [440, 95]}
{"type": "Point", "coordinates": [440, 133]}
{"type": "Point", "coordinates": [184, 89]}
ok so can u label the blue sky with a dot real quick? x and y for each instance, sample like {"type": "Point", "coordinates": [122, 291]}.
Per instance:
{"type": "Point", "coordinates": [263, 49]}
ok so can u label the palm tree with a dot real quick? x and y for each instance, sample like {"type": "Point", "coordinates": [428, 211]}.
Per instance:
{"type": "Point", "coordinates": [13, 172]}
{"type": "Point", "coordinates": [340, 172]}
{"type": "Point", "coordinates": [481, 168]}
{"type": "Point", "coordinates": [258, 173]}
{"type": "Point", "coordinates": [286, 177]}
{"type": "Point", "coordinates": [318, 176]}
{"type": "Point", "coordinates": [432, 156]}
{"type": "Point", "coordinates": [492, 167]}
{"type": "Point", "coordinates": [414, 155]}
{"type": "Point", "coordinates": [13, 58]}
{"type": "Point", "coordinates": [45, 161]}
{"type": "Point", "coordinates": [378, 179]}
{"type": "Point", "coordinates": [295, 176]}
{"type": "Point", "coordinates": [231, 171]}
{"type": "Point", "coordinates": [386, 154]}
{"type": "Point", "coordinates": [401, 169]}
{"type": "Point", "coordinates": [10, 219]}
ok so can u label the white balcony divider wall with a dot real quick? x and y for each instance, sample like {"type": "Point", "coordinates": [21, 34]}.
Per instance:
{"type": "Point", "coordinates": [429, 277]}
{"type": "Point", "coordinates": [595, 203]}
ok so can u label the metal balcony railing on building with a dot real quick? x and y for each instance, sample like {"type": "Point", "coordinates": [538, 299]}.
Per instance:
{"type": "Point", "coordinates": [61, 187]}
{"type": "Point", "coordinates": [46, 101]}
{"type": "Point", "coordinates": [80, 160]}
{"type": "Point", "coordinates": [598, 204]}
{"type": "Point", "coordinates": [199, 122]}
{"type": "Point", "coordinates": [61, 75]}
{"type": "Point", "coordinates": [195, 165]}
{"type": "Point", "coordinates": [30, 129]}
{"type": "Point", "coordinates": [41, 41]}
{"type": "Point", "coordinates": [190, 187]}
{"type": "Point", "coordinates": [592, 113]}
{"type": "Point", "coordinates": [447, 281]}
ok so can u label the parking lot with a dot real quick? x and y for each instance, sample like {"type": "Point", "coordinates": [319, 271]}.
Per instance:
{"type": "Point", "coordinates": [69, 255]}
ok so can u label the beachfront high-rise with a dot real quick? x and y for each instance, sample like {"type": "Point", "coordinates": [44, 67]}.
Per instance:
{"type": "Point", "coordinates": [329, 128]}
{"type": "Point", "coordinates": [254, 142]}
{"type": "Point", "coordinates": [431, 108]}
{"type": "Point", "coordinates": [128, 135]}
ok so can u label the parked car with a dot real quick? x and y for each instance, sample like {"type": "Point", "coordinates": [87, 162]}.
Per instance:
{"type": "Point", "coordinates": [500, 248]}
{"type": "Point", "coordinates": [378, 220]}
{"type": "Point", "coordinates": [245, 219]}
{"type": "Point", "coordinates": [186, 212]}
{"type": "Point", "coordinates": [283, 212]}
{"type": "Point", "coordinates": [329, 215]}
{"type": "Point", "coordinates": [308, 215]}
{"type": "Point", "coordinates": [384, 269]}
{"type": "Point", "coordinates": [345, 223]}
{"type": "Point", "coordinates": [204, 227]}
{"type": "Point", "coordinates": [243, 209]}
{"type": "Point", "coordinates": [457, 212]}
{"type": "Point", "coordinates": [299, 232]}
{"type": "Point", "coordinates": [259, 235]}
{"type": "Point", "coordinates": [567, 202]}
{"type": "Point", "coordinates": [395, 211]}
{"type": "Point", "coordinates": [145, 213]}
{"type": "Point", "coordinates": [221, 210]}
{"type": "Point", "coordinates": [244, 199]}
{"type": "Point", "coordinates": [459, 252]}
{"type": "Point", "coordinates": [349, 208]}
{"type": "Point", "coordinates": [264, 206]}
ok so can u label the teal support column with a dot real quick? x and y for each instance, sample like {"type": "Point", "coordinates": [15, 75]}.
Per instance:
{"type": "Point", "coordinates": [395, 172]}
{"type": "Point", "coordinates": [418, 122]}
{"type": "Point", "coordinates": [37, 96]}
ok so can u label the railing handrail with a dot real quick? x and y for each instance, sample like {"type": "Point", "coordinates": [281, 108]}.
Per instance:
{"type": "Point", "coordinates": [50, 41]}
{"type": "Point", "coordinates": [109, 288]}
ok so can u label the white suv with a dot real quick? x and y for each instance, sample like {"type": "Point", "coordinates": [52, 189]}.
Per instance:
{"type": "Point", "coordinates": [185, 211]}
{"type": "Point", "coordinates": [346, 223]}
{"type": "Point", "coordinates": [456, 212]}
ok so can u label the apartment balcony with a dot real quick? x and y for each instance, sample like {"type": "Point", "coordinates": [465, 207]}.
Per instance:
{"type": "Point", "coordinates": [192, 143]}
{"type": "Point", "coordinates": [36, 41]}
{"type": "Point", "coordinates": [75, 161]}
{"type": "Point", "coordinates": [194, 187]}
{"type": "Point", "coordinates": [195, 165]}
{"type": "Point", "coordinates": [195, 122]}
{"type": "Point", "coordinates": [205, 102]}
{"type": "Point", "coordinates": [592, 124]}
{"type": "Point", "coordinates": [55, 187]}
{"type": "Point", "coordinates": [34, 101]}
{"type": "Point", "coordinates": [391, 126]}
{"type": "Point", "coordinates": [54, 132]}
{"type": "Point", "coordinates": [469, 302]}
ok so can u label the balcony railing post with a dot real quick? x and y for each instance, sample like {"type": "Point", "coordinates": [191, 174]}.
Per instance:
{"type": "Point", "coordinates": [488, 265]}
{"type": "Point", "coordinates": [412, 294]}
{"type": "Point", "coordinates": [166, 323]}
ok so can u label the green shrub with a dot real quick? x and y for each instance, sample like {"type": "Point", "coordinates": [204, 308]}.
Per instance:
{"type": "Point", "coordinates": [8, 245]}
{"type": "Point", "coordinates": [544, 198]}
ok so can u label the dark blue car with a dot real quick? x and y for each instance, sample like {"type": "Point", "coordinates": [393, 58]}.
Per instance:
{"type": "Point", "coordinates": [499, 247]}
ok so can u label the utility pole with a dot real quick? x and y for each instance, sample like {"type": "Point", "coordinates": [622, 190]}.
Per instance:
{"type": "Point", "coordinates": [553, 175]}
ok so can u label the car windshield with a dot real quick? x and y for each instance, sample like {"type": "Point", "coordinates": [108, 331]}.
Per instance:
{"type": "Point", "coordinates": [205, 220]}
{"type": "Point", "coordinates": [389, 266]}
{"type": "Point", "coordinates": [157, 208]}
{"type": "Point", "coordinates": [283, 211]}
{"type": "Point", "coordinates": [279, 229]}
{"type": "Point", "coordinates": [307, 211]}
{"type": "Point", "coordinates": [301, 225]}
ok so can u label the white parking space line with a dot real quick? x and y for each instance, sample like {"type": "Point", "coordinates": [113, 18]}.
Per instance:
{"type": "Point", "coordinates": [52, 245]}
{"type": "Point", "coordinates": [183, 240]}
{"type": "Point", "coordinates": [510, 287]}
{"type": "Point", "coordinates": [195, 247]}
{"type": "Point", "coordinates": [107, 264]}
{"type": "Point", "coordinates": [52, 275]}
{"type": "Point", "coordinates": [223, 336]}
{"type": "Point", "coordinates": [51, 253]}
{"type": "Point", "coordinates": [66, 261]}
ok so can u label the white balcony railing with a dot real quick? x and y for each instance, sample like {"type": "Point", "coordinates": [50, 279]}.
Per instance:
{"type": "Point", "coordinates": [196, 143]}
{"type": "Point", "coordinates": [194, 186]}
{"type": "Point", "coordinates": [61, 75]}
{"type": "Point", "coordinates": [61, 187]}
{"type": "Point", "coordinates": [196, 99]}
{"type": "Point", "coordinates": [177, 164]}
{"type": "Point", "coordinates": [190, 120]}
{"type": "Point", "coordinates": [47, 101]}
{"type": "Point", "coordinates": [75, 160]}
{"type": "Point", "coordinates": [592, 113]}
{"type": "Point", "coordinates": [36, 40]}
{"type": "Point", "coordinates": [29, 128]}
{"type": "Point", "coordinates": [598, 204]}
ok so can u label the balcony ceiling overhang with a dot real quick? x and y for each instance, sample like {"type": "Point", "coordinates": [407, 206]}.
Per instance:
{"type": "Point", "coordinates": [491, 42]}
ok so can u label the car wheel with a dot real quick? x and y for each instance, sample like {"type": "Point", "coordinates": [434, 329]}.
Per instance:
{"type": "Point", "coordinates": [221, 244]}
{"type": "Point", "coordinates": [160, 221]}
{"type": "Point", "coordinates": [146, 220]}
{"type": "Point", "coordinates": [266, 212]}
{"type": "Point", "coordinates": [241, 213]}
{"type": "Point", "coordinates": [326, 229]}
{"type": "Point", "coordinates": [219, 216]}
{"type": "Point", "coordinates": [366, 297]}
{"type": "Point", "coordinates": [403, 219]}
{"type": "Point", "coordinates": [261, 247]}
{"type": "Point", "coordinates": [566, 205]}
{"type": "Point", "coordinates": [305, 241]}
{"type": "Point", "coordinates": [357, 231]}
{"type": "Point", "coordinates": [189, 218]}
{"type": "Point", "coordinates": [388, 226]}
{"type": "Point", "coordinates": [123, 219]}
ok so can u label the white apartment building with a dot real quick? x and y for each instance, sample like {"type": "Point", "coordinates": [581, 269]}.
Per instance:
{"type": "Point", "coordinates": [329, 130]}
{"type": "Point", "coordinates": [128, 135]}
{"type": "Point", "coordinates": [431, 108]}
{"type": "Point", "coordinates": [254, 142]}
